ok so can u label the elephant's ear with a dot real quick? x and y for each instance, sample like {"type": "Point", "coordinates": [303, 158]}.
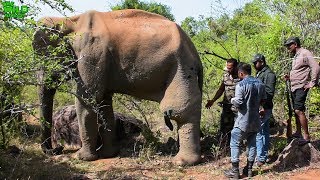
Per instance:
{"type": "Point", "coordinates": [61, 26]}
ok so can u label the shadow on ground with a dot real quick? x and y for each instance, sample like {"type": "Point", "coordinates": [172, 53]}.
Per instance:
{"type": "Point", "coordinates": [34, 165]}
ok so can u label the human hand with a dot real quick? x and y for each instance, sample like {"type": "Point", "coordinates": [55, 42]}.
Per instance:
{"type": "Point", "coordinates": [209, 104]}
{"type": "Point", "coordinates": [261, 112]}
{"type": "Point", "coordinates": [307, 86]}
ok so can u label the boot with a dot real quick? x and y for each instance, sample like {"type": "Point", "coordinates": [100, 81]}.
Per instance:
{"type": "Point", "coordinates": [247, 170]}
{"type": "Point", "coordinates": [233, 173]}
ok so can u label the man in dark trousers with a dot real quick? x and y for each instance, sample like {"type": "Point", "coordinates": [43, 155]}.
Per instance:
{"type": "Point", "coordinates": [250, 94]}
{"type": "Point", "coordinates": [268, 78]}
{"type": "Point", "coordinates": [303, 76]}
{"type": "Point", "coordinates": [227, 87]}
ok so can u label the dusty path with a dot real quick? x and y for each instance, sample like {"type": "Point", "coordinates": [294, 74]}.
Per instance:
{"type": "Point", "coordinates": [161, 168]}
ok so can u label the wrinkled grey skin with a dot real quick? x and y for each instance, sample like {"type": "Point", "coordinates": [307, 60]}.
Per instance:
{"type": "Point", "coordinates": [131, 52]}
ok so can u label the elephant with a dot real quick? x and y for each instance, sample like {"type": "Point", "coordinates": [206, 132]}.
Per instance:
{"type": "Point", "coordinates": [131, 52]}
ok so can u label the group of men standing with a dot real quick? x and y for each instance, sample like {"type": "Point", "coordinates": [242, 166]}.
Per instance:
{"type": "Point", "coordinates": [248, 103]}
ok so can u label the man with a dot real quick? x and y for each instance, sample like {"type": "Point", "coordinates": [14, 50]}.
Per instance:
{"type": "Point", "coordinates": [229, 81]}
{"type": "Point", "coordinates": [249, 95]}
{"type": "Point", "coordinates": [268, 77]}
{"type": "Point", "coordinates": [303, 76]}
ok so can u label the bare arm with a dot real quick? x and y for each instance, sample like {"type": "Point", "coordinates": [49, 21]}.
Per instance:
{"type": "Point", "coordinates": [219, 92]}
{"type": "Point", "coordinates": [314, 66]}
{"type": "Point", "coordinates": [216, 96]}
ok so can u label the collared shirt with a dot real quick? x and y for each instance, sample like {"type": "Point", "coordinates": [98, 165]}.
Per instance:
{"type": "Point", "coordinates": [249, 94]}
{"type": "Point", "coordinates": [268, 78]}
{"type": "Point", "coordinates": [305, 70]}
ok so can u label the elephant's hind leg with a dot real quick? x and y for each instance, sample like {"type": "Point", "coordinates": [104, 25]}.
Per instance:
{"type": "Point", "coordinates": [189, 141]}
{"type": "Point", "coordinates": [184, 99]}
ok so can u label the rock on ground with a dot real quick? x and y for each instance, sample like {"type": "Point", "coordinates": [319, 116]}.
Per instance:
{"type": "Point", "coordinates": [295, 155]}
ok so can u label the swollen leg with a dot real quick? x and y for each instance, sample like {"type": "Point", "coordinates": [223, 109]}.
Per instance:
{"type": "Point", "coordinates": [189, 142]}
{"type": "Point", "coordinates": [184, 97]}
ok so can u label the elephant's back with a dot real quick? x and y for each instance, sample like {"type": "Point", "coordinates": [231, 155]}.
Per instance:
{"type": "Point", "coordinates": [133, 14]}
{"type": "Point", "coordinates": [146, 49]}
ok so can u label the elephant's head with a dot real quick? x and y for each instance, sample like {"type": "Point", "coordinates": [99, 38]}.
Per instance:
{"type": "Point", "coordinates": [47, 44]}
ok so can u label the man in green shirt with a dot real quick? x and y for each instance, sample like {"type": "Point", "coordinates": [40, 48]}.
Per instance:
{"type": "Point", "coordinates": [268, 78]}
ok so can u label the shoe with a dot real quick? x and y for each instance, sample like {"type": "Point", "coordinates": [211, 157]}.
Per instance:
{"type": "Point", "coordinates": [303, 142]}
{"type": "Point", "coordinates": [233, 173]}
{"type": "Point", "coordinates": [260, 163]}
{"type": "Point", "coordinates": [296, 136]}
{"type": "Point", "coordinates": [247, 170]}
{"type": "Point", "coordinates": [289, 139]}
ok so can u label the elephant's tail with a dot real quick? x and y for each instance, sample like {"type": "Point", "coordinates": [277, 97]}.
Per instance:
{"type": "Point", "coordinates": [200, 77]}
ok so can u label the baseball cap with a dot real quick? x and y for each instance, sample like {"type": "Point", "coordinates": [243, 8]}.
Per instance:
{"type": "Point", "coordinates": [291, 40]}
{"type": "Point", "coordinates": [258, 57]}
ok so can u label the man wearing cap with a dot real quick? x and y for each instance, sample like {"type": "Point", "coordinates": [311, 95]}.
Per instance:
{"type": "Point", "coordinates": [228, 85]}
{"type": "Point", "coordinates": [303, 76]}
{"type": "Point", "coordinates": [268, 77]}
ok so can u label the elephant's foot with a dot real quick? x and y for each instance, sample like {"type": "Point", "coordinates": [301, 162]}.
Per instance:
{"type": "Point", "coordinates": [108, 152]}
{"type": "Point", "coordinates": [186, 159]}
{"type": "Point", "coordinates": [86, 155]}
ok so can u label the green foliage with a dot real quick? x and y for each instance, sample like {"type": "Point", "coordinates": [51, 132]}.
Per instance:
{"type": "Point", "coordinates": [153, 7]}
{"type": "Point", "coordinates": [314, 101]}
{"type": "Point", "coordinates": [19, 66]}
{"type": "Point", "coordinates": [151, 145]}
{"type": "Point", "coordinates": [59, 5]}
{"type": "Point", "coordinates": [16, 70]}
{"type": "Point", "coordinates": [189, 26]}
{"type": "Point", "coordinates": [257, 27]}
{"type": "Point", "coordinates": [277, 145]}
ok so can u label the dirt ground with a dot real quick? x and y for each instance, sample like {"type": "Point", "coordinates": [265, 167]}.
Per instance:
{"type": "Point", "coordinates": [161, 168]}
{"type": "Point", "coordinates": [31, 163]}
{"type": "Point", "coordinates": [135, 163]}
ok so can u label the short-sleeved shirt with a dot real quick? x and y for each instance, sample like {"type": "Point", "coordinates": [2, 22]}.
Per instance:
{"type": "Point", "coordinates": [305, 70]}
{"type": "Point", "coordinates": [230, 86]}
{"type": "Point", "coordinates": [249, 93]}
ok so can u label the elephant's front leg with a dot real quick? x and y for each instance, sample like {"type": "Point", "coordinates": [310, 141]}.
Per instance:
{"type": "Point", "coordinates": [107, 129]}
{"type": "Point", "coordinates": [46, 100]}
{"type": "Point", "coordinates": [88, 129]}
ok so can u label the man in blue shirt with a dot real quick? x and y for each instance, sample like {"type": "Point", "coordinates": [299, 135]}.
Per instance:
{"type": "Point", "coordinates": [249, 95]}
